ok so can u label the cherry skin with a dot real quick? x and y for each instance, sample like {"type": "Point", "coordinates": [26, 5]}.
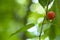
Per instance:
{"type": "Point", "coordinates": [50, 15]}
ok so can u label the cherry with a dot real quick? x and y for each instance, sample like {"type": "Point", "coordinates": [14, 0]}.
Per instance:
{"type": "Point", "coordinates": [50, 15]}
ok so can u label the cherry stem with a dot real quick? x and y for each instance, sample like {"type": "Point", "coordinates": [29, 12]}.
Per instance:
{"type": "Point", "coordinates": [43, 20]}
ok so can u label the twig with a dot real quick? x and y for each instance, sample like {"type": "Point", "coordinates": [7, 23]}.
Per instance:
{"type": "Point", "coordinates": [41, 29]}
{"type": "Point", "coordinates": [44, 19]}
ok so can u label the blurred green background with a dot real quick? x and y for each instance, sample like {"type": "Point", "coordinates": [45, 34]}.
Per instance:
{"type": "Point", "coordinates": [22, 20]}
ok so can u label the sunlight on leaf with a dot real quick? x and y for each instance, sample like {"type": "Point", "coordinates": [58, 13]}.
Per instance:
{"type": "Point", "coordinates": [50, 5]}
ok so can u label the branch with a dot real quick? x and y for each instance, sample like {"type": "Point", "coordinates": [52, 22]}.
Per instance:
{"type": "Point", "coordinates": [44, 19]}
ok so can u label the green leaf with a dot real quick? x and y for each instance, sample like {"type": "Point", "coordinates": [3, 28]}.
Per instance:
{"type": "Point", "coordinates": [52, 33]}
{"type": "Point", "coordinates": [46, 26]}
{"type": "Point", "coordinates": [44, 2]}
{"type": "Point", "coordinates": [22, 29]}
{"type": "Point", "coordinates": [56, 21]}
{"type": "Point", "coordinates": [46, 33]}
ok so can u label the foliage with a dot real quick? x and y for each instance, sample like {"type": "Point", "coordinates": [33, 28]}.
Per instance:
{"type": "Point", "coordinates": [17, 16]}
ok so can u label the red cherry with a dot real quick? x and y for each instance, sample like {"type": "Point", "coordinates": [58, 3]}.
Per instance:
{"type": "Point", "coordinates": [50, 15]}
